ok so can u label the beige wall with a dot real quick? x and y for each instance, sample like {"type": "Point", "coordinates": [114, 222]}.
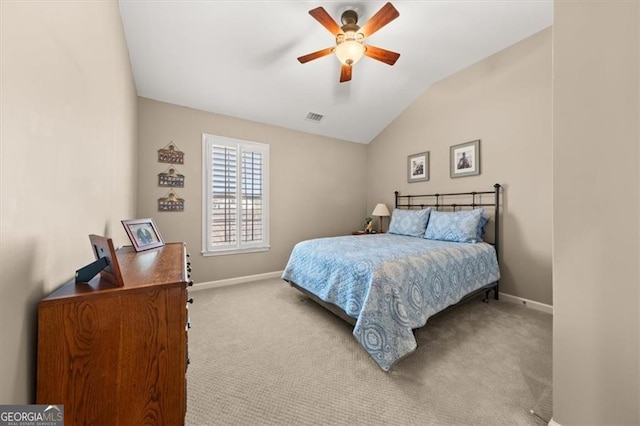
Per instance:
{"type": "Point", "coordinates": [596, 352]}
{"type": "Point", "coordinates": [505, 101]}
{"type": "Point", "coordinates": [317, 185]}
{"type": "Point", "coordinates": [68, 154]}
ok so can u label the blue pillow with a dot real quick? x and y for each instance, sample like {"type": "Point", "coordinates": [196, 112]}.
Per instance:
{"type": "Point", "coordinates": [461, 227]}
{"type": "Point", "coordinates": [409, 222]}
{"type": "Point", "coordinates": [484, 219]}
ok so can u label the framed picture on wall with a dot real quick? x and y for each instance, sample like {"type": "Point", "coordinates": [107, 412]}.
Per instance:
{"type": "Point", "coordinates": [464, 159]}
{"type": "Point", "coordinates": [143, 234]}
{"type": "Point", "coordinates": [418, 167]}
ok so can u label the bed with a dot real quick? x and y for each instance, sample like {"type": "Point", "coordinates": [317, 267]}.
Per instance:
{"type": "Point", "coordinates": [389, 284]}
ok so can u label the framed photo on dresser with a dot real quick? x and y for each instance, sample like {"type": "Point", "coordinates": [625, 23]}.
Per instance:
{"type": "Point", "coordinates": [103, 248]}
{"type": "Point", "coordinates": [143, 233]}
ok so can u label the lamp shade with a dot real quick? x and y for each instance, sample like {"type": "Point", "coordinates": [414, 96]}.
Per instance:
{"type": "Point", "coordinates": [349, 52]}
{"type": "Point", "coordinates": [381, 210]}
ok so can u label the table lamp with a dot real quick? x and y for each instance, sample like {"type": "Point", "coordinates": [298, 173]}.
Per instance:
{"type": "Point", "coordinates": [380, 211]}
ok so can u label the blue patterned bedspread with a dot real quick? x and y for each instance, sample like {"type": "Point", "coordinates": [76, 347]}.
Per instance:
{"type": "Point", "coordinates": [390, 283]}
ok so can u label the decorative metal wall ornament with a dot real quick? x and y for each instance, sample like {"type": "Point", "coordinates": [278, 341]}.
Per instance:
{"type": "Point", "coordinates": [170, 154]}
{"type": "Point", "coordinates": [172, 178]}
{"type": "Point", "coordinates": [171, 203]}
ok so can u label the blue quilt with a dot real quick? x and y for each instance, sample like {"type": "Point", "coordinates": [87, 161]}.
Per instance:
{"type": "Point", "coordinates": [389, 283]}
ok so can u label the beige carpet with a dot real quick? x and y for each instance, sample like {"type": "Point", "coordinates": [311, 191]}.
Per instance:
{"type": "Point", "coordinates": [263, 354]}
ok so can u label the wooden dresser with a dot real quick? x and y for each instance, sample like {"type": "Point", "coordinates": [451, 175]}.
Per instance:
{"type": "Point", "coordinates": [118, 355]}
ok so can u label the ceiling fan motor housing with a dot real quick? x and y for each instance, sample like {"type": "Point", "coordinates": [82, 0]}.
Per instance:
{"type": "Point", "coordinates": [349, 17]}
{"type": "Point", "coordinates": [349, 28]}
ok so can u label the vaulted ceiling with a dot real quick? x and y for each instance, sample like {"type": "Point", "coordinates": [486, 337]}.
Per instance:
{"type": "Point", "coordinates": [238, 58]}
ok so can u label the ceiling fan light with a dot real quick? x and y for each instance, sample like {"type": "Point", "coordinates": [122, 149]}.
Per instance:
{"type": "Point", "coordinates": [349, 52]}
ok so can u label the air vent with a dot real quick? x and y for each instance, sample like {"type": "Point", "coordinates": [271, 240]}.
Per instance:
{"type": "Point", "coordinates": [312, 116]}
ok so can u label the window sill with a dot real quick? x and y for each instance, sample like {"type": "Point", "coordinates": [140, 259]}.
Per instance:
{"type": "Point", "coordinates": [225, 252]}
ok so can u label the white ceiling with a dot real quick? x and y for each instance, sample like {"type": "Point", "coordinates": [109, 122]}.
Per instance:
{"type": "Point", "coordinates": [238, 58]}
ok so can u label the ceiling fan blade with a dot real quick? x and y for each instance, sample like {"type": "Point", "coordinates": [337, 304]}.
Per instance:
{"type": "Point", "coordinates": [382, 17]}
{"type": "Point", "coordinates": [382, 55]}
{"type": "Point", "coordinates": [316, 55]}
{"type": "Point", "coordinates": [326, 20]}
{"type": "Point", "coordinates": [345, 73]}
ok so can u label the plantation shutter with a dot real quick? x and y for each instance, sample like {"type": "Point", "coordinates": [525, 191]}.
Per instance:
{"type": "Point", "coordinates": [236, 196]}
{"type": "Point", "coordinates": [224, 187]}
{"type": "Point", "coordinates": [252, 193]}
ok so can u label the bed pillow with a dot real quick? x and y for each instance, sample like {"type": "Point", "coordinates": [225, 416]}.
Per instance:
{"type": "Point", "coordinates": [409, 222]}
{"type": "Point", "coordinates": [461, 227]}
{"type": "Point", "coordinates": [484, 219]}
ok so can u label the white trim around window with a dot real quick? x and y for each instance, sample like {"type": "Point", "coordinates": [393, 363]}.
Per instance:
{"type": "Point", "coordinates": [235, 197]}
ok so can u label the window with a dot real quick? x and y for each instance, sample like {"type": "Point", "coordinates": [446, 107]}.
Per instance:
{"type": "Point", "coordinates": [236, 196]}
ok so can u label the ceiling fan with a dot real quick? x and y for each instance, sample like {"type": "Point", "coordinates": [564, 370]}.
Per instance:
{"type": "Point", "coordinates": [350, 38]}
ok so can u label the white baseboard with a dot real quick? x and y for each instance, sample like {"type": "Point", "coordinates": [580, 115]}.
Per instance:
{"type": "Point", "coordinates": [528, 303]}
{"type": "Point", "coordinates": [554, 423]}
{"type": "Point", "coordinates": [235, 281]}
{"type": "Point", "coordinates": [277, 274]}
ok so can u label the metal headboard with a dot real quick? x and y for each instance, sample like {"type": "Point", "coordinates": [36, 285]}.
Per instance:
{"type": "Point", "coordinates": [437, 201]}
